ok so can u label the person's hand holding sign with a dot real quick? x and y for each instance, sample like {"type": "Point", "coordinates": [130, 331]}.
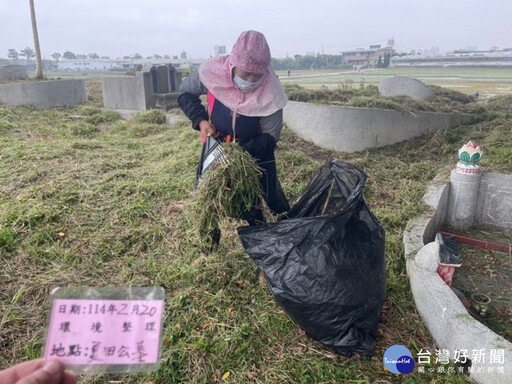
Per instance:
{"type": "Point", "coordinates": [37, 372]}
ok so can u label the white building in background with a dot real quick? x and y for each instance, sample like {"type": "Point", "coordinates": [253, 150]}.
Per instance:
{"type": "Point", "coordinates": [430, 52]}
{"type": "Point", "coordinates": [494, 58]}
{"type": "Point", "coordinates": [88, 65]}
{"type": "Point", "coordinates": [366, 58]}
{"type": "Point", "coordinates": [107, 65]}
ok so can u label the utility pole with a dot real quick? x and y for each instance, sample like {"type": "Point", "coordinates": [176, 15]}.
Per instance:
{"type": "Point", "coordinates": [39, 61]}
{"type": "Point", "coordinates": [391, 43]}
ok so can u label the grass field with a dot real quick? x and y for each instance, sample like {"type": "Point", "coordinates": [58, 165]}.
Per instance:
{"type": "Point", "coordinates": [488, 82]}
{"type": "Point", "coordinates": [88, 199]}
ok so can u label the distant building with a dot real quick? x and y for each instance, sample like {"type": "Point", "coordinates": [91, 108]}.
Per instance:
{"type": "Point", "coordinates": [89, 65]}
{"type": "Point", "coordinates": [219, 50]}
{"type": "Point", "coordinates": [431, 52]}
{"type": "Point", "coordinates": [112, 65]}
{"type": "Point", "coordinates": [501, 58]}
{"type": "Point", "coordinates": [365, 58]}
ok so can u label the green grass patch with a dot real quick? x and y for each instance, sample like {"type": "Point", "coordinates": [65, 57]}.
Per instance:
{"type": "Point", "coordinates": [7, 237]}
{"type": "Point", "coordinates": [153, 116]}
{"type": "Point", "coordinates": [487, 82]}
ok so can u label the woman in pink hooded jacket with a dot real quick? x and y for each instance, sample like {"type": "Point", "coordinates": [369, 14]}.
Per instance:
{"type": "Point", "coordinates": [245, 103]}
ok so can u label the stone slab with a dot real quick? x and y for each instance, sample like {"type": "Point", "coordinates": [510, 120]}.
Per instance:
{"type": "Point", "coordinates": [138, 92]}
{"type": "Point", "coordinates": [13, 72]}
{"type": "Point", "coordinates": [463, 199]}
{"type": "Point", "coordinates": [451, 326]}
{"type": "Point", "coordinates": [124, 92]}
{"type": "Point", "coordinates": [405, 86]}
{"type": "Point", "coordinates": [162, 79]}
{"type": "Point", "coordinates": [494, 207]}
{"type": "Point", "coordinates": [350, 129]}
{"type": "Point", "coordinates": [52, 93]}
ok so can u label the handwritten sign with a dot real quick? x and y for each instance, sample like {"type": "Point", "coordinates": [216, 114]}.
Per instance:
{"type": "Point", "coordinates": [105, 332]}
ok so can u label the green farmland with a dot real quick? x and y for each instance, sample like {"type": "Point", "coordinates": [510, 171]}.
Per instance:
{"type": "Point", "coordinates": [488, 82]}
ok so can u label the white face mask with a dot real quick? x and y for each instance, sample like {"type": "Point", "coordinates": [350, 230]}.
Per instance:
{"type": "Point", "coordinates": [244, 85]}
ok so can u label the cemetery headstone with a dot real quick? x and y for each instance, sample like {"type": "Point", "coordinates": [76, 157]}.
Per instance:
{"type": "Point", "coordinates": [405, 86]}
{"type": "Point", "coordinates": [13, 72]}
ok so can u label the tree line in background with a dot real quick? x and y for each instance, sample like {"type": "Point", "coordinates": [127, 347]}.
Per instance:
{"type": "Point", "coordinates": [28, 53]}
{"type": "Point", "coordinates": [319, 61]}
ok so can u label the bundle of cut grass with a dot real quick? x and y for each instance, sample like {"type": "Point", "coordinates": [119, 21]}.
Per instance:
{"type": "Point", "coordinates": [229, 189]}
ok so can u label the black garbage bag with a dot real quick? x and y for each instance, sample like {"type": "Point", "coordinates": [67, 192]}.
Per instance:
{"type": "Point", "coordinates": [325, 263]}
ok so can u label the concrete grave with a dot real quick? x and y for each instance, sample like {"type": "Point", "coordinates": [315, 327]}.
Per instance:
{"type": "Point", "coordinates": [487, 205]}
{"type": "Point", "coordinates": [124, 92]}
{"type": "Point", "coordinates": [54, 93]}
{"type": "Point", "coordinates": [494, 203]}
{"type": "Point", "coordinates": [351, 129]}
{"type": "Point", "coordinates": [13, 72]}
{"type": "Point", "coordinates": [482, 201]}
{"type": "Point", "coordinates": [151, 87]}
{"type": "Point", "coordinates": [162, 79]}
{"type": "Point", "coordinates": [405, 86]}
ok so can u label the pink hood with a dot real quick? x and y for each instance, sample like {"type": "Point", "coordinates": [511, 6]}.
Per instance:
{"type": "Point", "coordinates": [252, 54]}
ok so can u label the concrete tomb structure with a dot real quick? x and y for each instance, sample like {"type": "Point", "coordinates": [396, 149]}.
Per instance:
{"type": "Point", "coordinates": [14, 90]}
{"type": "Point", "coordinates": [405, 86]}
{"type": "Point", "coordinates": [152, 87]}
{"type": "Point", "coordinates": [13, 72]}
{"type": "Point", "coordinates": [45, 93]}
{"type": "Point", "coordinates": [352, 129]}
{"type": "Point", "coordinates": [470, 199]}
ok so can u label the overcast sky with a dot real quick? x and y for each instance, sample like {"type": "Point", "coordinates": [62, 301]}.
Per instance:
{"type": "Point", "coordinates": [124, 27]}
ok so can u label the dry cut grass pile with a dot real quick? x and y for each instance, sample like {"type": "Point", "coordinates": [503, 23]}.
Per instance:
{"type": "Point", "coordinates": [444, 100]}
{"type": "Point", "coordinates": [231, 187]}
